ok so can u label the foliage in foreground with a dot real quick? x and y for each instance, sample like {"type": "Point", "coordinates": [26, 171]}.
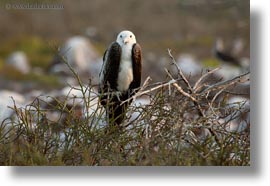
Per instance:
{"type": "Point", "coordinates": [184, 123]}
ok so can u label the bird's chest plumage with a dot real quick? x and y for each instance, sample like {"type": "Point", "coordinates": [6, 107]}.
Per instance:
{"type": "Point", "coordinates": [125, 74]}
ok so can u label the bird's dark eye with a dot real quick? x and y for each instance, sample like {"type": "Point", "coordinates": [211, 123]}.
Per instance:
{"type": "Point", "coordinates": [121, 36]}
{"type": "Point", "coordinates": [130, 36]}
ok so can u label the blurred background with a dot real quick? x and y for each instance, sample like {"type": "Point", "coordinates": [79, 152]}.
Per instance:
{"type": "Point", "coordinates": [81, 30]}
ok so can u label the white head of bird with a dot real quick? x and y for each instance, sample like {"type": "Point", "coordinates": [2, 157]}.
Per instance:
{"type": "Point", "coordinates": [219, 45]}
{"type": "Point", "coordinates": [126, 38]}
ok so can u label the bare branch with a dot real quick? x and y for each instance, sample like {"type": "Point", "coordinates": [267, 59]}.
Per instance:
{"type": "Point", "coordinates": [195, 88]}
{"type": "Point", "coordinates": [179, 70]}
{"type": "Point", "coordinates": [195, 101]}
{"type": "Point", "coordinates": [138, 94]}
{"type": "Point", "coordinates": [223, 83]}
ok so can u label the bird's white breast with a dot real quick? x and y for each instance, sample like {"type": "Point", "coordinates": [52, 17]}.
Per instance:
{"type": "Point", "coordinates": [125, 75]}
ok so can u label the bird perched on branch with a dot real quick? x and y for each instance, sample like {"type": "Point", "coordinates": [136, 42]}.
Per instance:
{"type": "Point", "coordinates": [224, 56]}
{"type": "Point", "coordinates": [120, 75]}
{"type": "Point", "coordinates": [231, 64]}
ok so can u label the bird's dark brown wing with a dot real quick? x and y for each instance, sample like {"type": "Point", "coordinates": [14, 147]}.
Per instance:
{"type": "Point", "coordinates": [227, 58]}
{"type": "Point", "coordinates": [137, 67]}
{"type": "Point", "coordinates": [111, 61]}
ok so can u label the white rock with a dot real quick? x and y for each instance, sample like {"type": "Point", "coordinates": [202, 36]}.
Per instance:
{"type": "Point", "coordinates": [19, 61]}
{"type": "Point", "coordinates": [93, 110]}
{"type": "Point", "coordinates": [236, 126]}
{"type": "Point", "coordinates": [238, 101]}
{"type": "Point", "coordinates": [79, 53]}
{"type": "Point", "coordinates": [7, 102]}
{"type": "Point", "coordinates": [239, 119]}
{"type": "Point", "coordinates": [141, 103]}
{"type": "Point", "coordinates": [189, 65]}
{"type": "Point", "coordinates": [227, 72]}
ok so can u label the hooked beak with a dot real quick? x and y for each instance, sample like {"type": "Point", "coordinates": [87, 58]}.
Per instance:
{"type": "Point", "coordinates": [125, 41]}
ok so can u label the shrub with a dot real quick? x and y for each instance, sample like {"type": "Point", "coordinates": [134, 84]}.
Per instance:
{"type": "Point", "coordinates": [182, 124]}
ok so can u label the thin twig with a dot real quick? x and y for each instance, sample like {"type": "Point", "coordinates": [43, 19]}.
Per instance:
{"type": "Point", "coordinates": [179, 70]}
{"type": "Point", "coordinates": [140, 93]}
{"type": "Point", "coordinates": [202, 77]}
{"type": "Point", "coordinates": [180, 88]}
{"type": "Point", "coordinates": [195, 101]}
{"type": "Point", "coordinates": [222, 83]}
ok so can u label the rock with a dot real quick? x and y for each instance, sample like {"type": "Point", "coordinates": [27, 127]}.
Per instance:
{"type": "Point", "coordinates": [79, 53]}
{"type": "Point", "coordinates": [189, 65]}
{"type": "Point", "coordinates": [6, 102]}
{"type": "Point", "coordinates": [138, 106]}
{"type": "Point", "coordinates": [19, 61]}
{"type": "Point", "coordinates": [239, 119]}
